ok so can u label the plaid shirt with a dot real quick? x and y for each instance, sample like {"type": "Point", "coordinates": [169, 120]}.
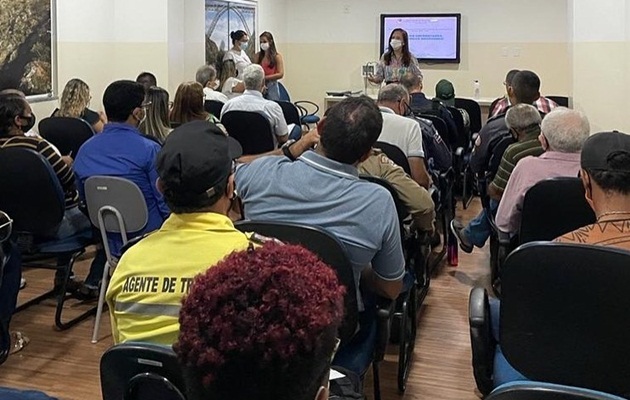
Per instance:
{"type": "Point", "coordinates": [543, 104]}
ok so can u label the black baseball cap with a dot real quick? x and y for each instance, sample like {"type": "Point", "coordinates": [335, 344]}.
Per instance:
{"type": "Point", "coordinates": [599, 149]}
{"type": "Point", "coordinates": [197, 158]}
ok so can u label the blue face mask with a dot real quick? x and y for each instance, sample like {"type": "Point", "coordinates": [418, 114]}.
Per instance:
{"type": "Point", "coordinates": [244, 46]}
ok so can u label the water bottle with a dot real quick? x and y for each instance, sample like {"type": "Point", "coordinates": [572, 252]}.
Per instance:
{"type": "Point", "coordinates": [476, 89]}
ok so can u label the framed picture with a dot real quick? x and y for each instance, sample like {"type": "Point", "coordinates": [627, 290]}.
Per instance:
{"type": "Point", "coordinates": [27, 54]}
{"type": "Point", "coordinates": [223, 17]}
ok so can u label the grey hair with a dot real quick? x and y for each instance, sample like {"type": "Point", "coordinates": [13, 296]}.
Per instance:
{"type": "Point", "coordinates": [392, 93]}
{"type": "Point", "coordinates": [205, 74]}
{"type": "Point", "coordinates": [566, 130]}
{"type": "Point", "coordinates": [522, 117]}
{"type": "Point", "coordinates": [411, 80]}
{"type": "Point", "coordinates": [253, 77]}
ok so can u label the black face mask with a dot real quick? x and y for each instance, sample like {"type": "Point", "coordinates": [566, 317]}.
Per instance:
{"type": "Point", "coordinates": [29, 124]}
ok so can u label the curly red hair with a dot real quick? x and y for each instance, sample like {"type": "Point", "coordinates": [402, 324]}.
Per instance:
{"type": "Point", "coordinates": [261, 324]}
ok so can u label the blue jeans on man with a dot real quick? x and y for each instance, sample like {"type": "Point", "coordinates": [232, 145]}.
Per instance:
{"type": "Point", "coordinates": [479, 229]}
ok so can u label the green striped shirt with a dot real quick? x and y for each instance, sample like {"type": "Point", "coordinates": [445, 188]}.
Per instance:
{"type": "Point", "coordinates": [512, 155]}
{"type": "Point", "coordinates": [62, 170]}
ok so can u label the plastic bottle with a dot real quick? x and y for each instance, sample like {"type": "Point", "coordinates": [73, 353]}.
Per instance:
{"type": "Point", "coordinates": [476, 89]}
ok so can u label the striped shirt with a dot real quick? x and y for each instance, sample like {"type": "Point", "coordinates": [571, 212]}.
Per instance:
{"type": "Point", "coordinates": [62, 170]}
{"type": "Point", "coordinates": [543, 104]}
{"type": "Point", "coordinates": [512, 155]}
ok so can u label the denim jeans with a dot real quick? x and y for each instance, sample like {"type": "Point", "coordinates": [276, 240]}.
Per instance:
{"type": "Point", "coordinates": [479, 229]}
{"type": "Point", "coordinates": [74, 222]}
{"type": "Point", "coordinates": [10, 284]}
{"type": "Point", "coordinates": [273, 91]}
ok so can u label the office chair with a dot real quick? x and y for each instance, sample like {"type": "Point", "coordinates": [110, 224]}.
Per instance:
{"type": "Point", "coordinates": [525, 390]}
{"type": "Point", "coordinates": [290, 112]}
{"type": "Point", "coordinates": [213, 107]}
{"type": "Point", "coordinates": [6, 225]}
{"type": "Point", "coordinates": [66, 134]}
{"type": "Point", "coordinates": [551, 208]}
{"type": "Point", "coordinates": [141, 371]}
{"type": "Point", "coordinates": [35, 201]}
{"type": "Point", "coordinates": [115, 205]}
{"type": "Point", "coordinates": [474, 112]}
{"type": "Point", "coordinates": [562, 101]}
{"type": "Point", "coordinates": [358, 349]}
{"type": "Point", "coordinates": [251, 129]}
{"type": "Point", "coordinates": [562, 319]}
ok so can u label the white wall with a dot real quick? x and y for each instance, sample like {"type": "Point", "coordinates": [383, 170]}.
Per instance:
{"type": "Point", "coordinates": [327, 41]}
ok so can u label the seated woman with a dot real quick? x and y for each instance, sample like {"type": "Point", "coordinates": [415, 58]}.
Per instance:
{"type": "Point", "coordinates": [74, 103]}
{"type": "Point", "coordinates": [188, 105]}
{"type": "Point", "coordinates": [230, 85]}
{"type": "Point", "coordinates": [156, 125]}
{"type": "Point", "coordinates": [270, 314]}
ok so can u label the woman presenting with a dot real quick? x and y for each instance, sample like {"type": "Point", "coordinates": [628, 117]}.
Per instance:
{"type": "Point", "coordinates": [272, 63]}
{"type": "Point", "coordinates": [397, 60]}
{"type": "Point", "coordinates": [240, 43]}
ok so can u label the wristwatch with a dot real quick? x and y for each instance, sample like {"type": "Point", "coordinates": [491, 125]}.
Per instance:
{"type": "Point", "coordinates": [286, 149]}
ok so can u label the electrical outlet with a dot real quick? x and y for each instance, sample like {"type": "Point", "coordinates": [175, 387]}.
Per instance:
{"type": "Point", "coordinates": [505, 51]}
{"type": "Point", "coordinates": [346, 8]}
{"type": "Point", "coordinates": [516, 52]}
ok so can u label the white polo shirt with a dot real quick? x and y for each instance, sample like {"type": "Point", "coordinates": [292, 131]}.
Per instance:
{"type": "Point", "coordinates": [402, 132]}
{"type": "Point", "coordinates": [253, 101]}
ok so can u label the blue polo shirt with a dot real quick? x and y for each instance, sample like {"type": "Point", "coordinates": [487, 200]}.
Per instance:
{"type": "Point", "coordinates": [120, 150]}
{"type": "Point", "coordinates": [315, 190]}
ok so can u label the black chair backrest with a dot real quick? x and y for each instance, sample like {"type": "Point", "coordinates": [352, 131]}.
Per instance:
{"type": "Point", "coordinates": [214, 107]}
{"type": "Point", "coordinates": [442, 129]}
{"type": "Point", "coordinates": [562, 101]}
{"type": "Point", "coordinates": [328, 248]}
{"type": "Point", "coordinates": [141, 371]}
{"type": "Point", "coordinates": [564, 315]}
{"type": "Point", "coordinates": [546, 391]}
{"type": "Point", "coordinates": [401, 210]}
{"type": "Point", "coordinates": [552, 208]}
{"type": "Point", "coordinates": [251, 129]}
{"type": "Point", "coordinates": [30, 191]}
{"type": "Point", "coordinates": [290, 112]}
{"type": "Point", "coordinates": [463, 133]}
{"type": "Point", "coordinates": [474, 112]}
{"type": "Point", "coordinates": [67, 134]}
{"type": "Point", "coordinates": [395, 154]}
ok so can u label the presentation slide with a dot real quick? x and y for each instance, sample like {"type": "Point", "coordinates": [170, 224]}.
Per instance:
{"type": "Point", "coordinates": [430, 37]}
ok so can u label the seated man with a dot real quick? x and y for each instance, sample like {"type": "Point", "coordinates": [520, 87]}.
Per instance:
{"type": "Point", "coordinates": [252, 100]}
{"type": "Point", "coordinates": [492, 141]}
{"type": "Point", "coordinates": [416, 199]}
{"type": "Point", "coordinates": [605, 173]}
{"type": "Point", "coordinates": [419, 104]}
{"type": "Point", "coordinates": [523, 122]}
{"type": "Point", "coordinates": [543, 104]}
{"type": "Point", "coordinates": [147, 80]}
{"type": "Point", "coordinates": [323, 188]}
{"type": "Point", "coordinates": [405, 133]}
{"type": "Point", "coordinates": [195, 167]}
{"type": "Point", "coordinates": [122, 151]}
{"type": "Point", "coordinates": [563, 134]}
{"type": "Point", "coordinates": [15, 120]}
{"type": "Point", "coordinates": [270, 315]}
{"type": "Point", "coordinates": [207, 76]}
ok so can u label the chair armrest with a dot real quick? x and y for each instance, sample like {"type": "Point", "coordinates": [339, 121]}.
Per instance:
{"type": "Point", "coordinates": [482, 343]}
{"type": "Point", "coordinates": [384, 313]}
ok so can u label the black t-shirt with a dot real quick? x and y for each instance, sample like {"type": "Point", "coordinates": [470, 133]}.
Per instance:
{"type": "Point", "coordinates": [89, 116]}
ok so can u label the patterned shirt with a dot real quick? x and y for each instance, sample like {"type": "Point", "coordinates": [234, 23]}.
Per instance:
{"type": "Point", "coordinates": [543, 104]}
{"type": "Point", "coordinates": [615, 233]}
{"type": "Point", "coordinates": [512, 155]}
{"type": "Point", "coordinates": [395, 70]}
{"type": "Point", "coordinates": [62, 170]}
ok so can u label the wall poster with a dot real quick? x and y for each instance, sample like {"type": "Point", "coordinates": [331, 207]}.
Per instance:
{"type": "Point", "coordinates": [26, 46]}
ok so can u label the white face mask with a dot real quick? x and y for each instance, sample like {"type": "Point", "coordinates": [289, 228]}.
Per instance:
{"type": "Point", "coordinates": [244, 45]}
{"type": "Point", "coordinates": [216, 84]}
{"type": "Point", "coordinates": [264, 46]}
{"type": "Point", "coordinates": [396, 44]}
